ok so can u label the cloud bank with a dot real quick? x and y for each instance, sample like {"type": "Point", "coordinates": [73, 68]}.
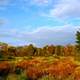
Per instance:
{"type": "Point", "coordinates": [59, 35]}
{"type": "Point", "coordinates": [65, 9]}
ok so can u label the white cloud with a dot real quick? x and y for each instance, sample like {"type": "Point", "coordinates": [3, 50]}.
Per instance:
{"type": "Point", "coordinates": [44, 35]}
{"type": "Point", "coordinates": [41, 2]}
{"type": "Point", "coordinates": [66, 9]}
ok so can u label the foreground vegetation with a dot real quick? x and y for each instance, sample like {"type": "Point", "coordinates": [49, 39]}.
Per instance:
{"type": "Point", "coordinates": [32, 63]}
{"type": "Point", "coordinates": [40, 68]}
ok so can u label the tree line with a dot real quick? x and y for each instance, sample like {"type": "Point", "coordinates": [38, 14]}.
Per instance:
{"type": "Point", "coordinates": [30, 50]}
{"type": "Point", "coordinates": [48, 50]}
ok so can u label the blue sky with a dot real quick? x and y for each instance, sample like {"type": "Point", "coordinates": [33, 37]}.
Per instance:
{"type": "Point", "coordinates": [39, 22]}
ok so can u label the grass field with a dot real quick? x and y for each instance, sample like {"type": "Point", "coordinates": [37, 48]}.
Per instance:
{"type": "Point", "coordinates": [40, 68]}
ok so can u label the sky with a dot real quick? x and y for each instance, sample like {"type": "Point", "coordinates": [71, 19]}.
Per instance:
{"type": "Point", "coordinates": [39, 22]}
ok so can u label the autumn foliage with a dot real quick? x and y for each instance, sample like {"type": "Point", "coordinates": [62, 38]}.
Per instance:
{"type": "Point", "coordinates": [30, 50]}
{"type": "Point", "coordinates": [55, 61]}
{"type": "Point", "coordinates": [4, 68]}
{"type": "Point", "coordinates": [36, 68]}
{"type": "Point", "coordinates": [59, 68]}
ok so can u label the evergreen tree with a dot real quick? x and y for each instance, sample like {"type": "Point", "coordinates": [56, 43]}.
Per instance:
{"type": "Point", "coordinates": [78, 40]}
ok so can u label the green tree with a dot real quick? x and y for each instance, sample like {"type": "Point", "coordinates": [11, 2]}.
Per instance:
{"type": "Point", "coordinates": [1, 56]}
{"type": "Point", "coordinates": [78, 40]}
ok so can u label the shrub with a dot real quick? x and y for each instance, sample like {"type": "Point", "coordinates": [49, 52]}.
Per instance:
{"type": "Point", "coordinates": [23, 76]}
{"type": "Point", "coordinates": [62, 68]}
{"type": "Point", "coordinates": [4, 68]}
{"type": "Point", "coordinates": [18, 71]}
{"type": "Point", "coordinates": [1, 57]}
{"type": "Point", "coordinates": [77, 73]}
{"type": "Point", "coordinates": [34, 73]}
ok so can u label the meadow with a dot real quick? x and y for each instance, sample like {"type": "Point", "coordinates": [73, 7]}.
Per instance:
{"type": "Point", "coordinates": [31, 63]}
{"type": "Point", "coordinates": [40, 68]}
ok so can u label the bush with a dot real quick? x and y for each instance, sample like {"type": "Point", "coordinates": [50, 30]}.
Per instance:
{"type": "Point", "coordinates": [23, 76]}
{"type": "Point", "coordinates": [1, 57]}
{"type": "Point", "coordinates": [4, 68]}
{"type": "Point", "coordinates": [34, 73]}
{"type": "Point", "coordinates": [18, 71]}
